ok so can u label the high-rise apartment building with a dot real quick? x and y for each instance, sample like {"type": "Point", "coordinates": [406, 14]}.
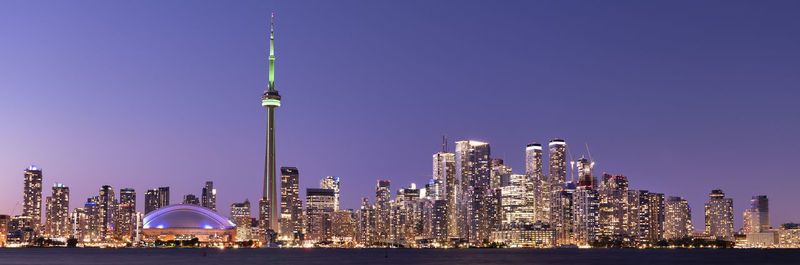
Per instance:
{"type": "Point", "coordinates": [209, 196]}
{"type": "Point", "coordinates": [677, 218]}
{"type": "Point", "coordinates": [291, 222]}
{"type": "Point", "coordinates": [107, 205]}
{"type": "Point", "coordinates": [585, 215]}
{"type": "Point", "coordinates": [126, 224]}
{"type": "Point", "coordinates": [240, 215]}
{"type": "Point", "coordinates": [365, 223]}
{"type": "Point", "coordinates": [191, 199]}
{"type": "Point", "coordinates": [719, 216]}
{"type": "Point", "coordinates": [58, 212]}
{"type": "Point", "coordinates": [500, 174]}
{"type": "Point", "coordinates": [585, 176]}
{"type": "Point", "coordinates": [382, 211]}
{"type": "Point", "coordinates": [163, 197]}
{"type": "Point", "coordinates": [445, 187]}
{"type": "Point", "coordinates": [558, 162]}
{"type": "Point", "coordinates": [537, 186]}
{"type": "Point", "coordinates": [613, 197]}
{"type": "Point", "coordinates": [150, 200]}
{"type": "Point", "coordinates": [32, 195]}
{"type": "Point", "coordinates": [473, 174]}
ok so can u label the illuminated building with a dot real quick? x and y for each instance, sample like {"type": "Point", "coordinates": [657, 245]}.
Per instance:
{"type": "Point", "coordinates": [126, 221]}
{"type": "Point", "coordinates": [585, 177]}
{"type": "Point", "coordinates": [500, 174]}
{"type": "Point", "coordinates": [32, 196]}
{"type": "Point", "coordinates": [4, 219]}
{"type": "Point", "coordinates": [516, 210]}
{"type": "Point", "coordinates": [789, 236]}
{"type": "Point", "coordinates": [537, 187]}
{"type": "Point", "coordinates": [657, 216]}
{"type": "Point", "coordinates": [291, 206]}
{"type": "Point", "coordinates": [191, 199]}
{"type": "Point", "coordinates": [107, 205]}
{"type": "Point", "coordinates": [271, 100]}
{"type": "Point", "coordinates": [57, 224]}
{"type": "Point", "coordinates": [150, 200]}
{"type": "Point", "coordinates": [365, 223]}
{"type": "Point", "coordinates": [209, 196]}
{"type": "Point", "coordinates": [558, 162]}
{"type": "Point", "coordinates": [585, 215]}
{"type": "Point", "coordinates": [719, 216]}
{"type": "Point", "coordinates": [445, 187]}
{"type": "Point", "coordinates": [613, 197]}
{"type": "Point", "coordinates": [756, 218]}
{"type": "Point", "coordinates": [319, 208]}
{"type": "Point", "coordinates": [439, 224]}
{"type": "Point", "coordinates": [473, 176]}
{"type": "Point", "coordinates": [382, 211]}
{"type": "Point", "coordinates": [185, 222]}
{"type": "Point", "coordinates": [331, 182]}
{"type": "Point", "coordinates": [163, 197]}
{"type": "Point", "coordinates": [677, 218]}
{"type": "Point", "coordinates": [535, 235]}
{"type": "Point", "coordinates": [343, 226]}
{"type": "Point", "coordinates": [240, 215]}
{"type": "Point", "coordinates": [21, 230]}
{"type": "Point", "coordinates": [561, 219]}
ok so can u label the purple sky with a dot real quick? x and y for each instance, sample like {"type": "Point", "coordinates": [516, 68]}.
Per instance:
{"type": "Point", "coordinates": [681, 97]}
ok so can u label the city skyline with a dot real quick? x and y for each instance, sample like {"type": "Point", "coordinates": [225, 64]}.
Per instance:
{"type": "Point", "coordinates": [76, 162]}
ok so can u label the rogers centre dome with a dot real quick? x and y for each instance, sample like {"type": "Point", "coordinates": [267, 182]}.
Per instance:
{"type": "Point", "coordinates": [185, 221]}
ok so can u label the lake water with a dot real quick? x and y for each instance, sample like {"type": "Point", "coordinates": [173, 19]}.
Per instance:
{"type": "Point", "coordinates": [398, 256]}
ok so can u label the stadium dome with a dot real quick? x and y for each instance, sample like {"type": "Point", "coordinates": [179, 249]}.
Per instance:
{"type": "Point", "coordinates": [185, 216]}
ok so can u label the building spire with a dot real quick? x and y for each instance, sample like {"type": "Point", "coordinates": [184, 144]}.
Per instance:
{"type": "Point", "coordinates": [271, 85]}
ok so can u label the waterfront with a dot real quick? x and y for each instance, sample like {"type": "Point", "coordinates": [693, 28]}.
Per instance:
{"type": "Point", "coordinates": [398, 256]}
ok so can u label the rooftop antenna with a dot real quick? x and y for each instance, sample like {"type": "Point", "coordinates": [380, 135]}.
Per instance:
{"type": "Point", "coordinates": [444, 143]}
{"type": "Point", "coordinates": [571, 164]}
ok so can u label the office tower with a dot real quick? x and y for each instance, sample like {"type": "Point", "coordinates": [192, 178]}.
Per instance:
{"type": "Point", "coordinates": [319, 208]}
{"type": "Point", "coordinates": [613, 197]}
{"type": "Point", "coordinates": [240, 215]}
{"type": "Point", "coordinates": [719, 216]}
{"type": "Point", "coordinates": [271, 99]}
{"type": "Point", "coordinates": [494, 204]}
{"type": "Point", "coordinates": [291, 205]}
{"type": "Point", "coordinates": [209, 196]}
{"type": "Point", "coordinates": [331, 182]}
{"type": "Point", "coordinates": [408, 194]}
{"type": "Point", "coordinates": [585, 177]}
{"type": "Point", "coordinates": [126, 223]}
{"type": "Point", "coordinates": [558, 162]}
{"type": "Point", "coordinates": [585, 215]}
{"type": "Point", "coordinates": [756, 218]}
{"type": "Point", "coordinates": [537, 187]}
{"type": "Point", "coordinates": [382, 211]}
{"type": "Point", "coordinates": [32, 195]}
{"type": "Point", "coordinates": [472, 174]}
{"type": "Point", "coordinates": [163, 197]}
{"type": "Point", "coordinates": [79, 223]}
{"type": "Point", "coordinates": [191, 199]}
{"type": "Point", "coordinates": [58, 212]}
{"type": "Point", "coordinates": [150, 200]}
{"type": "Point", "coordinates": [343, 225]}
{"type": "Point", "coordinates": [445, 188]}
{"type": "Point", "coordinates": [365, 223]}
{"type": "Point", "coordinates": [657, 216]}
{"type": "Point", "coordinates": [499, 174]}
{"type": "Point", "coordinates": [107, 205]}
{"type": "Point", "coordinates": [561, 211]}
{"type": "Point", "coordinates": [677, 218]}
{"type": "Point", "coordinates": [516, 210]}
{"type": "Point", "coordinates": [94, 222]}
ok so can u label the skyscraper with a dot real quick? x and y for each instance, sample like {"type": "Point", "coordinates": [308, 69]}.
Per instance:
{"type": "Point", "coordinates": [756, 218]}
{"type": "Point", "coordinates": [500, 174]}
{"type": "Point", "coordinates": [677, 218]}
{"type": "Point", "coordinates": [613, 199]}
{"type": "Point", "coordinates": [209, 196]}
{"type": "Point", "coordinates": [585, 215]}
{"type": "Point", "coordinates": [240, 215]}
{"type": "Point", "coordinates": [271, 99]}
{"type": "Point", "coordinates": [331, 182]}
{"type": "Point", "coordinates": [126, 223]}
{"type": "Point", "coordinates": [719, 216]}
{"type": "Point", "coordinates": [382, 210]}
{"type": "Point", "coordinates": [445, 188]}
{"type": "Point", "coordinates": [291, 205]}
{"type": "Point", "coordinates": [537, 186]}
{"type": "Point", "coordinates": [58, 211]}
{"type": "Point", "coordinates": [150, 200]}
{"type": "Point", "coordinates": [585, 176]}
{"type": "Point", "coordinates": [191, 199]}
{"type": "Point", "coordinates": [163, 197]}
{"type": "Point", "coordinates": [106, 207]}
{"type": "Point", "coordinates": [558, 162]}
{"type": "Point", "coordinates": [32, 195]}
{"type": "Point", "coordinates": [319, 208]}
{"type": "Point", "coordinates": [473, 175]}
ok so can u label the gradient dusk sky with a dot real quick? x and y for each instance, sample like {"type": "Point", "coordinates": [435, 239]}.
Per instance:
{"type": "Point", "coordinates": [680, 96]}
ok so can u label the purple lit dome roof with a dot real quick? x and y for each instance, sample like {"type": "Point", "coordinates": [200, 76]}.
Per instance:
{"type": "Point", "coordinates": [186, 216]}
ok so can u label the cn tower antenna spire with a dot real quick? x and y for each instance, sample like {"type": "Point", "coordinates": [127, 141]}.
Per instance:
{"type": "Point", "coordinates": [271, 85]}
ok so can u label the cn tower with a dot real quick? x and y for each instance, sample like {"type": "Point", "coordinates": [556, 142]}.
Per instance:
{"type": "Point", "coordinates": [270, 100]}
